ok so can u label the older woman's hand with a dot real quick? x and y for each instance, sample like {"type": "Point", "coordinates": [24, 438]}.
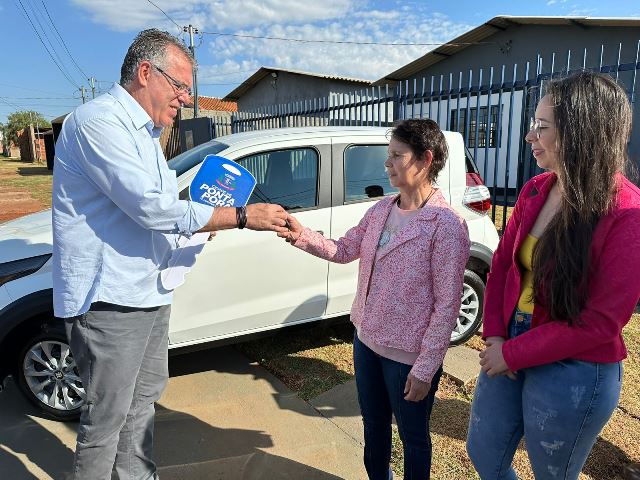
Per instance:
{"type": "Point", "coordinates": [415, 389]}
{"type": "Point", "coordinates": [294, 229]}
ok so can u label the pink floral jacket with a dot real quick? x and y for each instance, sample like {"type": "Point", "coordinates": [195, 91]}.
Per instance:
{"type": "Point", "coordinates": [414, 299]}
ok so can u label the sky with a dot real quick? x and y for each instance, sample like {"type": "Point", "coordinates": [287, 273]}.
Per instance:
{"type": "Point", "coordinates": [89, 38]}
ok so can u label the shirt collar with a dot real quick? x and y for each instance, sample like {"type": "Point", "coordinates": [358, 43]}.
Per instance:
{"type": "Point", "coordinates": [138, 115]}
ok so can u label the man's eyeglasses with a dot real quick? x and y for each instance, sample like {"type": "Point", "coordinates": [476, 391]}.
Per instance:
{"type": "Point", "coordinates": [536, 126]}
{"type": "Point", "coordinates": [180, 87]}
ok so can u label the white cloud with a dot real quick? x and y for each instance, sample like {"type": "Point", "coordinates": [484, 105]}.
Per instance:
{"type": "Point", "coordinates": [351, 60]}
{"type": "Point", "coordinates": [331, 20]}
{"type": "Point", "coordinates": [125, 15]}
{"type": "Point", "coordinates": [235, 14]}
{"type": "Point", "coordinates": [578, 11]}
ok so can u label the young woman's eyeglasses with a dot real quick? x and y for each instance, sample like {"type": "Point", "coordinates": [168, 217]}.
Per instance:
{"type": "Point", "coordinates": [536, 126]}
{"type": "Point", "coordinates": [180, 87]}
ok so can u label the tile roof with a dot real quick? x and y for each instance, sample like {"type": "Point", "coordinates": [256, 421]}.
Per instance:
{"type": "Point", "coordinates": [213, 103]}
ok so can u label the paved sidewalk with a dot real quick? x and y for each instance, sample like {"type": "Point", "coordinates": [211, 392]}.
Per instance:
{"type": "Point", "coordinates": [221, 417]}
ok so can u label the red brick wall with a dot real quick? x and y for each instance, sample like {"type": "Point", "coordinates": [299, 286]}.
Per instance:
{"type": "Point", "coordinates": [24, 143]}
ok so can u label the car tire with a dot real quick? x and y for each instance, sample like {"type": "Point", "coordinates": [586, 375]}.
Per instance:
{"type": "Point", "coordinates": [48, 376]}
{"type": "Point", "coordinates": [470, 316]}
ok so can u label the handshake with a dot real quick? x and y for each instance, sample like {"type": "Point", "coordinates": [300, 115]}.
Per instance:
{"type": "Point", "coordinates": [269, 217]}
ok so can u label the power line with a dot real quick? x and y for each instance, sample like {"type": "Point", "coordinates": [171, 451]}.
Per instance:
{"type": "Point", "coordinates": [36, 14]}
{"type": "Point", "coordinates": [29, 89]}
{"type": "Point", "coordinates": [63, 42]}
{"type": "Point", "coordinates": [9, 103]}
{"type": "Point", "coordinates": [343, 42]}
{"type": "Point", "coordinates": [38, 107]}
{"type": "Point", "coordinates": [236, 83]}
{"type": "Point", "coordinates": [165, 14]}
{"type": "Point", "coordinates": [233, 73]}
{"type": "Point", "coordinates": [46, 48]}
{"type": "Point", "coordinates": [40, 98]}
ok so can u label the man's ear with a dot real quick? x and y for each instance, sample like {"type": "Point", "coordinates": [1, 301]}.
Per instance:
{"type": "Point", "coordinates": [144, 72]}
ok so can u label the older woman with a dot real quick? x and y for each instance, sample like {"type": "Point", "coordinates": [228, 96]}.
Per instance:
{"type": "Point", "coordinates": [413, 249]}
{"type": "Point", "coordinates": [564, 281]}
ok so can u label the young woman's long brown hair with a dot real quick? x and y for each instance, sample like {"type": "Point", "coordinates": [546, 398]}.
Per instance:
{"type": "Point", "coordinates": [593, 124]}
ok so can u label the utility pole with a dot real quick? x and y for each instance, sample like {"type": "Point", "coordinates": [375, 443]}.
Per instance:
{"type": "Point", "coordinates": [192, 48]}
{"type": "Point", "coordinates": [82, 92]}
{"type": "Point", "coordinates": [92, 84]}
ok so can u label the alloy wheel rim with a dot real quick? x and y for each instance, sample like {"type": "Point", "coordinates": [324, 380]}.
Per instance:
{"type": "Point", "coordinates": [52, 375]}
{"type": "Point", "coordinates": [469, 309]}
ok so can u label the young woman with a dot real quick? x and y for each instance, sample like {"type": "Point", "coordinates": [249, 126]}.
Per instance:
{"type": "Point", "coordinates": [413, 249]}
{"type": "Point", "coordinates": [563, 283]}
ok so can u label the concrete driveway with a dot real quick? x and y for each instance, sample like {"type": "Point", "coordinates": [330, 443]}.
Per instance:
{"type": "Point", "coordinates": [221, 417]}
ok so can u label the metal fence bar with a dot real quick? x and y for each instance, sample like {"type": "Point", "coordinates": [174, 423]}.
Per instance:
{"type": "Point", "coordinates": [488, 129]}
{"type": "Point", "coordinates": [457, 122]}
{"type": "Point", "coordinates": [497, 152]}
{"type": "Point", "coordinates": [508, 157]}
{"type": "Point", "coordinates": [635, 71]}
{"type": "Point", "coordinates": [477, 132]}
{"type": "Point", "coordinates": [439, 99]}
{"type": "Point", "coordinates": [467, 116]}
{"type": "Point", "coordinates": [422, 97]}
{"type": "Point", "coordinates": [431, 97]}
{"type": "Point", "coordinates": [442, 124]}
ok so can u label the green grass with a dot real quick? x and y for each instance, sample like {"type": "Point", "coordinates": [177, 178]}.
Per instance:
{"type": "Point", "coordinates": [500, 218]}
{"type": "Point", "coordinates": [28, 177]}
{"type": "Point", "coordinates": [309, 361]}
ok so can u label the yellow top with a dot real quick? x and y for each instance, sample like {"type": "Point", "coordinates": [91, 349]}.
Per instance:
{"type": "Point", "coordinates": [525, 257]}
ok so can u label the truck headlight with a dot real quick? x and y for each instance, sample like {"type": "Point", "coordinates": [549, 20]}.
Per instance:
{"type": "Point", "coordinates": [21, 268]}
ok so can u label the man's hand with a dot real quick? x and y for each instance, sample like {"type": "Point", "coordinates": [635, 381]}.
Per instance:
{"type": "Point", "coordinates": [294, 230]}
{"type": "Point", "coordinates": [415, 390]}
{"type": "Point", "coordinates": [492, 360]}
{"type": "Point", "coordinates": [266, 216]}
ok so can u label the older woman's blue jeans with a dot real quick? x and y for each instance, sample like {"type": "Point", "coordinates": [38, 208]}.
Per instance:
{"type": "Point", "coordinates": [560, 408]}
{"type": "Point", "coordinates": [380, 383]}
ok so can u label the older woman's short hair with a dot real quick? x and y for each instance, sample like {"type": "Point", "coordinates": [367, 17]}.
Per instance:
{"type": "Point", "coordinates": [422, 135]}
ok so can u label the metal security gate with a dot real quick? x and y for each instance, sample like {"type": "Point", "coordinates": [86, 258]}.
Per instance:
{"type": "Point", "coordinates": [490, 107]}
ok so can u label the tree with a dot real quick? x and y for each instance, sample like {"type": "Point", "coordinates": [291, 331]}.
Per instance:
{"type": "Point", "coordinates": [21, 119]}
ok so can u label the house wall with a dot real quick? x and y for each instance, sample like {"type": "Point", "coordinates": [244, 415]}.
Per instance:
{"type": "Point", "coordinates": [187, 113]}
{"type": "Point", "coordinates": [519, 44]}
{"type": "Point", "coordinates": [291, 87]}
{"type": "Point", "coordinates": [32, 149]}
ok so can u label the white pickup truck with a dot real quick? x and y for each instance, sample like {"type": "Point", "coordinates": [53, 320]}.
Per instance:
{"type": "Point", "coordinates": [327, 176]}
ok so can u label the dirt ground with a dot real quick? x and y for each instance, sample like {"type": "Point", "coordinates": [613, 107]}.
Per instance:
{"type": "Point", "coordinates": [21, 189]}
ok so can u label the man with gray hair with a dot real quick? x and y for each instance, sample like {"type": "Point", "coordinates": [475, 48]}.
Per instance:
{"type": "Point", "coordinates": [116, 219]}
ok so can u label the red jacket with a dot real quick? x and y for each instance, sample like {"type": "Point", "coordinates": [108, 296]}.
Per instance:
{"type": "Point", "coordinates": [614, 285]}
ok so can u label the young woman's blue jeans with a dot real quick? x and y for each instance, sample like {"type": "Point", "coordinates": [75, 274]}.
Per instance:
{"type": "Point", "coordinates": [380, 383]}
{"type": "Point", "coordinates": [560, 408]}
